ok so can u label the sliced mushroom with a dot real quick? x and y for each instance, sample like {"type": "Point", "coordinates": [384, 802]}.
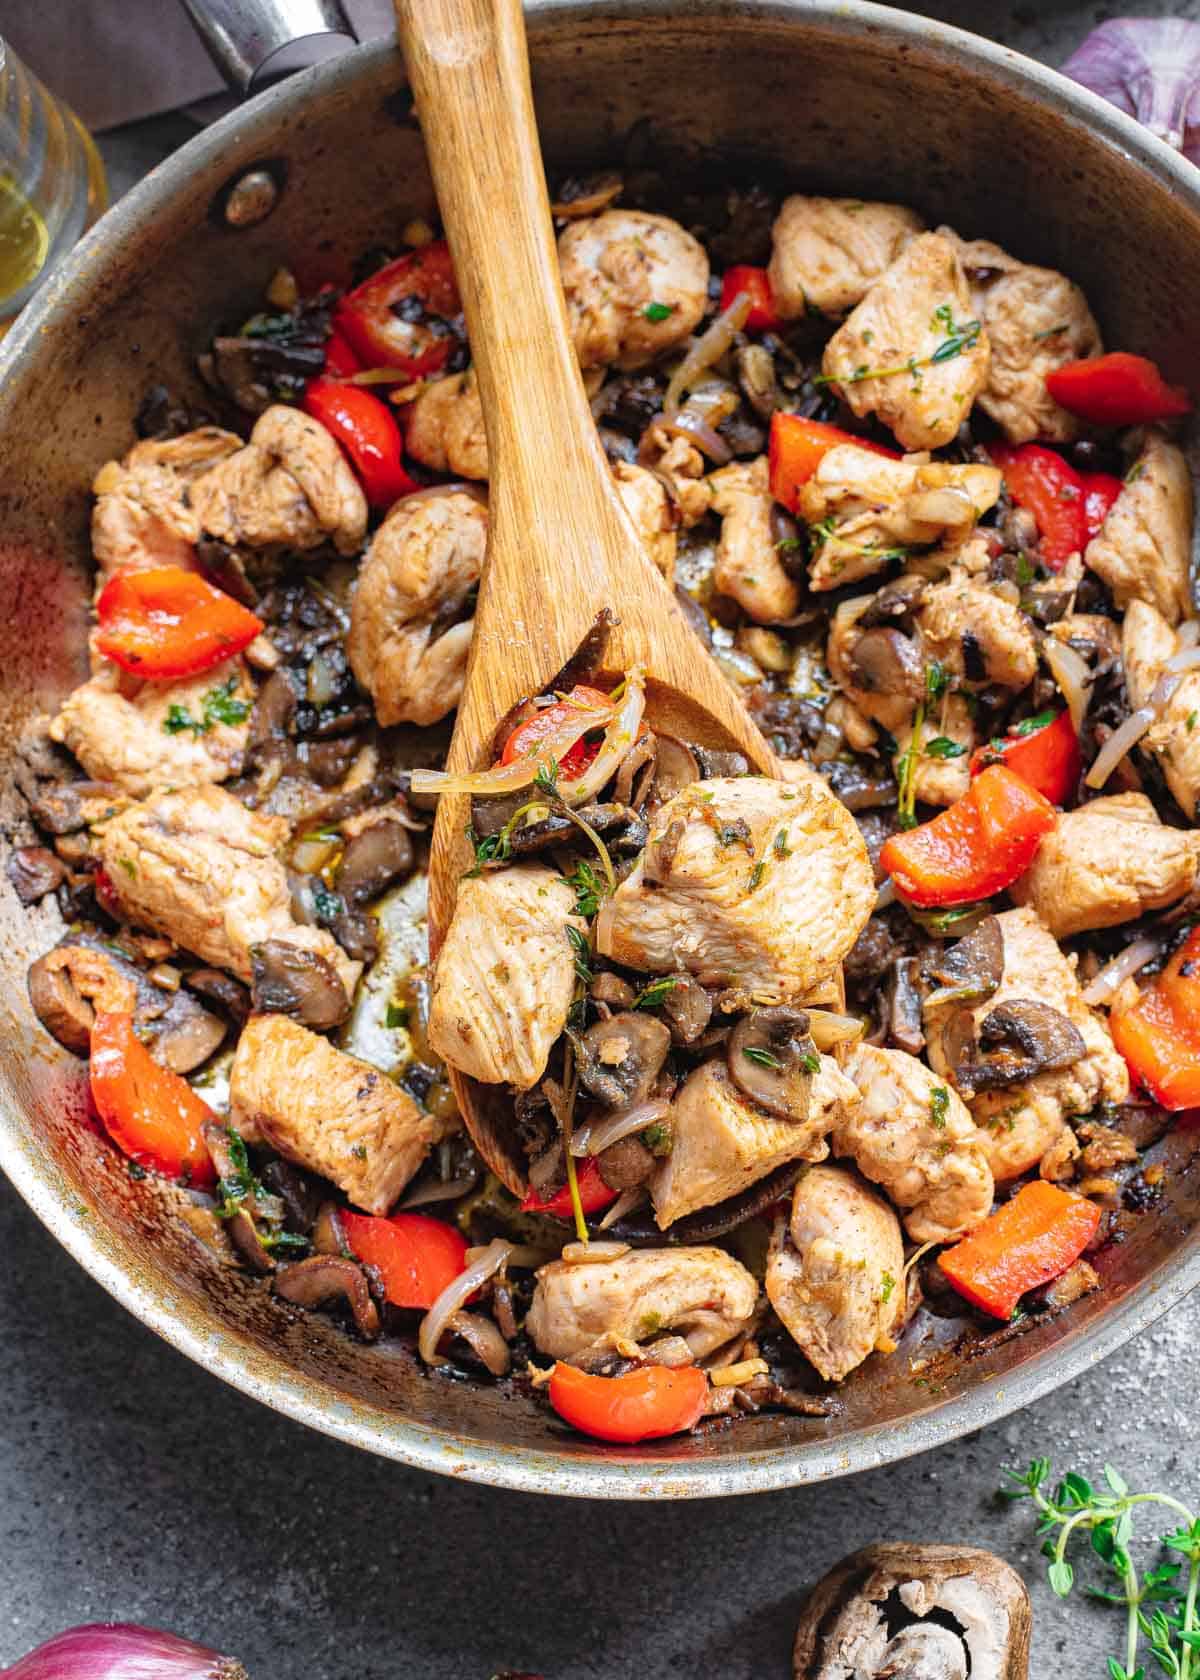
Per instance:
{"type": "Point", "coordinates": [290, 980]}
{"type": "Point", "coordinates": [917, 1612]}
{"type": "Point", "coordinates": [619, 1059]}
{"type": "Point", "coordinates": [223, 989]}
{"type": "Point", "coordinates": [610, 989]}
{"type": "Point", "coordinates": [885, 661]}
{"type": "Point", "coordinates": [35, 871]}
{"type": "Point", "coordinates": [299, 1192]}
{"type": "Point", "coordinates": [626, 1164]}
{"type": "Point", "coordinates": [968, 970]}
{"type": "Point", "coordinates": [66, 982]}
{"type": "Point", "coordinates": [756, 376]}
{"type": "Point", "coordinates": [75, 805]}
{"type": "Point", "coordinates": [772, 1059]}
{"type": "Point", "coordinates": [587, 195]}
{"type": "Point", "coordinates": [323, 1278]}
{"type": "Point", "coordinates": [676, 767]}
{"type": "Point", "coordinates": [1013, 1042]}
{"type": "Point", "coordinates": [484, 1341]}
{"type": "Point", "coordinates": [328, 1237]}
{"type": "Point", "coordinates": [687, 1009]}
{"type": "Point", "coordinates": [895, 602]}
{"type": "Point", "coordinates": [902, 998]}
{"type": "Point", "coordinates": [637, 766]}
{"type": "Point", "coordinates": [374, 859]}
{"type": "Point", "coordinates": [623, 830]}
{"type": "Point", "coordinates": [185, 1035]}
{"type": "Point", "coordinates": [357, 933]}
{"type": "Point", "coordinates": [714, 762]}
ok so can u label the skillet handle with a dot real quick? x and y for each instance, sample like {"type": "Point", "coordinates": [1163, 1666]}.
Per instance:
{"type": "Point", "coordinates": [242, 36]}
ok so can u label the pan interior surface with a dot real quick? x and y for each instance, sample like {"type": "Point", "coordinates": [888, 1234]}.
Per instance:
{"type": "Point", "coordinates": [851, 99]}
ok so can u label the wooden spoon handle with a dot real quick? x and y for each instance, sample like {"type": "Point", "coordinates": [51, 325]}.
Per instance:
{"type": "Point", "coordinates": [469, 73]}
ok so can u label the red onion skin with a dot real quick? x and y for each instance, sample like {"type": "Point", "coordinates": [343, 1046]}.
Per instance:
{"type": "Point", "coordinates": [122, 1651]}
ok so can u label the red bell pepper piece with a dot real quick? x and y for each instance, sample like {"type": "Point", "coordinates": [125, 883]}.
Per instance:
{"type": "Point", "coordinates": [1028, 1241]}
{"type": "Point", "coordinates": [1039, 479]}
{"type": "Point", "coordinates": [594, 1195]}
{"type": "Point", "coordinates": [415, 1256]}
{"type": "Point", "coordinates": [374, 316]}
{"type": "Point", "coordinates": [1117, 390]}
{"type": "Point", "coordinates": [367, 431]}
{"type": "Point", "coordinates": [166, 622]}
{"type": "Point", "coordinates": [977, 847]}
{"type": "Point", "coordinates": [1159, 1034]}
{"type": "Point", "coordinates": [1100, 491]}
{"type": "Point", "coordinates": [642, 1405]}
{"type": "Point", "coordinates": [340, 358]}
{"type": "Point", "coordinates": [150, 1113]}
{"type": "Point", "coordinates": [1043, 751]}
{"type": "Point", "coordinates": [528, 736]}
{"type": "Point", "coordinates": [797, 448]}
{"type": "Point", "coordinates": [756, 283]}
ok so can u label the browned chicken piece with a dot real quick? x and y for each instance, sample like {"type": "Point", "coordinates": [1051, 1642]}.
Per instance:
{"type": "Point", "coordinates": [200, 868]}
{"type": "Point", "coordinates": [722, 1142]}
{"type": "Point", "coordinates": [912, 1133]}
{"type": "Point", "coordinates": [139, 736]}
{"type": "Point", "coordinates": [505, 975]}
{"type": "Point", "coordinates": [914, 313]}
{"type": "Point", "coordinates": [1143, 551]}
{"type": "Point", "coordinates": [650, 507]}
{"type": "Point", "coordinates": [835, 1274]}
{"type": "Point", "coordinates": [878, 506]}
{"type": "Point", "coordinates": [701, 1294]}
{"type": "Point", "coordinates": [289, 487]}
{"type": "Point", "coordinates": [681, 465]}
{"type": "Point", "coordinates": [748, 566]}
{"type": "Point", "coordinates": [981, 639]}
{"type": "Point", "coordinates": [1021, 1121]}
{"type": "Point", "coordinates": [408, 639]}
{"type": "Point", "coordinates": [328, 1112]}
{"type": "Point", "coordinates": [615, 268]}
{"type": "Point", "coordinates": [746, 882]}
{"type": "Point", "coordinates": [445, 427]}
{"type": "Point", "coordinates": [827, 253]}
{"type": "Point", "coordinates": [1147, 643]}
{"type": "Point", "coordinates": [1036, 321]}
{"type": "Point", "coordinates": [1108, 862]}
{"type": "Point", "coordinates": [937, 780]}
{"type": "Point", "coordinates": [142, 515]}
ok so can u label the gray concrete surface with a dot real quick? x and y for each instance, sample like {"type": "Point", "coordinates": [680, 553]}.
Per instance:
{"type": "Point", "coordinates": [133, 1485]}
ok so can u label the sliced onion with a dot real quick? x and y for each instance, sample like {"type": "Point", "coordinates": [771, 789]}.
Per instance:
{"type": "Point", "coordinates": [511, 778]}
{"type": "Point", "coordinates": [707, 349]}
{"type": "Point", "coordinates": [1121, 742]}
{"type": "Point", "coordinates": [309, 857]}
{"type": "Point", "coordinates": [625, 1203]}
{"type": "Point", "coordinates": [1070, 672]}
{"type": "Point", "coordinates": [1189, 634]}
{"type": "Point", "coordinates": [619, 736]}
{"type": "Point", "coordinates": [1135, 955]}
{"type": "Point", "coordinates": [699, 432]}
{"type": "Point", "coordinates": [945, 506]}
{"type": "Point", "coordinates": [438, 1192]}
{"type": "Point", "coordinates": [1185, 660]}
{"type": "Point", "coordinates": [599, 1135]}
{"type": "Point", "coordinates": [886, 894]}
{"type": "Point", "coordinates": [457, 1293]}
{"type": "Point", "coordinates": [593, 1253]}
{"type": "Point", "coordinates": [484, 1340]}
{"type": "Point", "coordinates": [827, 1029]}
{"type": "Point", "coordinates": [322, 683]}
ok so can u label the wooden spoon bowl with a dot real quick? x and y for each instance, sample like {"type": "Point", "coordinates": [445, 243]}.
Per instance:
{"type": "Point", "coordinates": [561, 547]}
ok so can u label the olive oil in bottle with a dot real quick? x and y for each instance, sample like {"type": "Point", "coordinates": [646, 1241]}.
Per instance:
{"type": "Point", "coordinates": [24, 238]}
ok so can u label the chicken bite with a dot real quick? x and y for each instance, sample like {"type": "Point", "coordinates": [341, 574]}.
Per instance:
{"type": "Point", "coordinates": [1021, 1121]}
{"type": "Point", "coordinates": [505, 975]}
{"type": "Point", "coordinates": [677, 463]}
{"type": "Point", "coordinates": [835, 1273]}
{"type": "Point", "coordinates": [328, 1112]}
{"type": "Point", "coordinates": [722, 1142]}
{"type": "Point", "coordinates": [650, 507]}
{"type": "Point", "coordinates": [1143, 551]}
{"type": "Point", "coordinates": [701, 1294]}
{"type": "Point", "coordinates": [289, 487]}
{"type": "Point", "coordinates": [1147, 643]}
{"type": "Point", "coordinates": [635, 285]}
{"type": "Point", "coordinates": [978, 637]}
{"type": "Point", "coordinates": [140, 736]}
{"type": "Point", "coordinates": [1106, 863]}
{"type": "Point", "coordinates": [445, 427]}
{"type": "Point", "coordinates": [827, 253]}
{"type": "Point", "coordinates": [1036, 321]}
{"type": "Point", "coordinates": [748, 566]}
{"type": "Point", "coordinates": [408, 639]}
{"type": "Point", "coordinates": [143, 516]}
{"type": "Point", "coordinates": [201, 869]}
{"type": "Point", "coordinates": [915, 325]}
{"type": "Point", "coordinates": [864, 510]}
{"type": "Point", "coordinates": [914, 1135]}
{"type": "Point", "coordinates": [744, 882]}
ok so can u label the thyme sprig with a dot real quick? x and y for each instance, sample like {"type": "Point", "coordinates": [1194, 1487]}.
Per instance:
{"type": "Point", "coordinates": [1160, 1607]}
{"type": "Point", "coordinates": [960, 336]}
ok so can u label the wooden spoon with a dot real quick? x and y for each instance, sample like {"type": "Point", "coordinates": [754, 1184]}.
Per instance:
{"type": "Point", "coordinates": [560, 547]}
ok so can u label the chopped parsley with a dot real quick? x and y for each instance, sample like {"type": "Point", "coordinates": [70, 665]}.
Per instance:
{"type": "Point", "coordinates": [887, 1284]}
{"type": "Point", "coordinates": [937, 679]}
{"type": "Point", "coordinates": [939, 1106]}
{"type": "Point", "coordinates": [220, 705]}
{"type": "Point", "coordinates": [1051, 332]}
{"type": "Point", "coordinates": [943, 747]}
{"type": "Point", "coordinates": [658, 311]}
{"type": "Point", "coordinates": [656, 993]}
{"type": "Point", "coordinates": [658, 1138]}
{"type": "Point", "coordinates": [130, 868]}
{"type": "Point", "coordinates": [763, 1058]}
{"type": "Point", "coordinates": [396, 1015]}
{"type": "Point", "coordinates": [1190, 724]}
{"type": "Point", "coordinates": [756, 874]}
{"type": "Point", "coordinates": [810, 1062]}
{"type": "Point", "coordinates": [1030, 725]}
{"type": "Point", "coordinates": [780, 844]}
